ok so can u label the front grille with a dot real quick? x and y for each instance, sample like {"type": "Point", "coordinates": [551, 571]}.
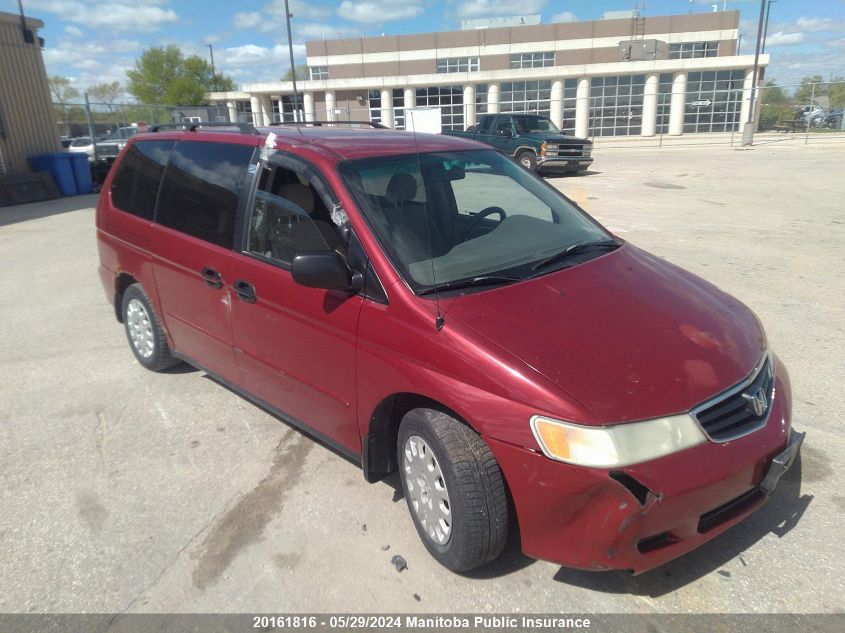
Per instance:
{"type": "Point", "coordinates": [742, 409]}
{"type": "Point", "coordinates": [554, 151]}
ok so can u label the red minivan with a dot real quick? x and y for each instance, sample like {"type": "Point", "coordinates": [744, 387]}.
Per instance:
{"type": "Point", "coordinates": [424, 304]}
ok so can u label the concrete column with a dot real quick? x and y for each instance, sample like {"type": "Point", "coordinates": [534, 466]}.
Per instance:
{"type": "Point", "coordinates": [493, 98]}
{"type": "Point", "coordinates": [409, 103]}
{"type": "Point", "coordinates": [308, 105]}
{"type": "Point", "coordinates": [330, 105]}
{"type": "Point", "coordinates": [582, 108]}
{"type": "Point", "coordinates": [469, 105]}
{"type": "Point", "coordinates": [387, 107]}
{"type": "Point", "coordinates": [255, 106]}
{"type": "Point", "coordinates": [266, 108]}
{"type": "Point", "coordinates": [233, 111]}
{"type": "Point", "coordinates": [678, 104]}
{"type": "Point", "coordinates": [746, 98]}
{"type": "Point", "coordinates": [652, 83]}
{"type": "Point", "coordinates": [557, 103]}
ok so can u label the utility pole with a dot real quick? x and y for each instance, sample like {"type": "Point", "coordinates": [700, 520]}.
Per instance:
{"type": "Point", "coordinates": [213, 71]}
{"type": "Point", "coordinates": [288, 16]}
{"type": "Point", "coordinates": [748, 130]}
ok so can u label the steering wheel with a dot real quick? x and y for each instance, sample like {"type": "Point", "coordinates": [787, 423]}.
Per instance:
{"type": "Point", "coordinates": [476, 220]}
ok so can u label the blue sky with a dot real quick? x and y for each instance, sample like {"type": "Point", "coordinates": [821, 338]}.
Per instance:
{"type": "Point", "coordinates": [91, 41]}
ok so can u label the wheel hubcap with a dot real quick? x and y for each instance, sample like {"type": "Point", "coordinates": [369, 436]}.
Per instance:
{"type": "Point", "coordinates": [526, 163]}
{"type": "Point", "coordinates": [140, 329]}
{"type": "Point", "coordinates": [427, 490]}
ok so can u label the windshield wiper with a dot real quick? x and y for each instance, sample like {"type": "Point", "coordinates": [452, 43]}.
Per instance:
{"type": "Point", "coordinates": [576, 249]}
{"type": "Point", "coordinates": [472, 282]}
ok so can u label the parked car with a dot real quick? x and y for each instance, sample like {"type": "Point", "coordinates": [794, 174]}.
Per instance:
{"type": "Point", "coordinates": [533, 141]}
{"type": "Point", "coordinates": [425, 305]}
{"type": "Point", "coordinates": [108, 145]}
{"type": "Point", "coordinates": [833, 119]}
{"type": "Point", "coordinates": [82, 145]}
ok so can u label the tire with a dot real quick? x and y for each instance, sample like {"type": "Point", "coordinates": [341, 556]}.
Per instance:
{"type": "Point", "coordinates": [436, 446]}
{"type": "Point", "coordinates": [143, 331]}
{"type": "Point", "coordinates": [527, 159]}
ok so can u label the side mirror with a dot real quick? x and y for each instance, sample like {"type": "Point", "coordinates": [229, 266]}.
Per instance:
{"type": "Point", "coordinates": [324, 269]}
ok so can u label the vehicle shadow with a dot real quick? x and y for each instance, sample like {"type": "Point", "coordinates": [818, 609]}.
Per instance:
{"type": "Point", "coordinates": [778, 516]}
{"type": "Point", "coordinates": [37, 210]}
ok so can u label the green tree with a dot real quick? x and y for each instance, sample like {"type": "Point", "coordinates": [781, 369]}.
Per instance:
{"type": "Point", "coordinates": [805, 91]}
{"type": "Point", "coordinates": [62, 93]}
{"type": "Point", "coordinates": [774, 94]}
{"type": "Point", "coordinates": [836, 92]}
{"type": "Point", "coordinates": [106, 93]}
{"type": "Point", "coordinates": [163, 76]}
{"type": "Point", "coordinates": [301, 73]}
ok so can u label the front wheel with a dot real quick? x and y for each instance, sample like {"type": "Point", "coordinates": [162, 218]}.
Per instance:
{"type": "Point", "coordinates": [528, 160]}
{"type": "Point", "coordinates": [454, 489]}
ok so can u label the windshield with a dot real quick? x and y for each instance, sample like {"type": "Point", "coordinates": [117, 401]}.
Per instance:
{"type": "Point", "coordinates": [449, 216]}
{"type": "Point", "coordinates": [527, 123]}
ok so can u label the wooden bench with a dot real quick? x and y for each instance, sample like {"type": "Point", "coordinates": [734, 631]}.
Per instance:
{"type": "Point", "coordinates": [790, 125]}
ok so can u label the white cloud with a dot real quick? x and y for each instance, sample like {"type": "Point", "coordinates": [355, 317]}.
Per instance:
{"type": "Point", "coordinates": [72, 31]}
{"type": "Point", "coordinates": [784, 39]}
{"type": "Point", "coordinates": [118, 15]}
{"type": "Point", "coordinates": [490, 8]}
{"type": "Point", "coordinates": [566, 16]}
{"type": "Point", "coordinates": [250, 55]}
{"type": "Point", "coordinates": [377, 11]}
{"type": "Point", "coordinates": [819, 24]}
{"type": "Point", "coordinates": [247, 20]}
{"type": "Point", "coordinates": [320, 31]}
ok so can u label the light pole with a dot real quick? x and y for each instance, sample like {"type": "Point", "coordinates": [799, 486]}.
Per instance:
{"type": "Point", "coordinates": [213, 72]}
{"type": "Point", "coordinates": [766, 26]}
{"type": "Point", "coordinates": [288, 16]}
{"type": "Point", "coordinates": [748, 130]}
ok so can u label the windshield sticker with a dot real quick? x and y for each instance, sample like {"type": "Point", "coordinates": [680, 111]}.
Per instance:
{"type": "Point", "coordinates": [339, 215]}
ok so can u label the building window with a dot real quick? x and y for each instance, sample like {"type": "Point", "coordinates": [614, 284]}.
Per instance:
{"type": "Point", "coordinates": [374, 98]}
{"type": "Point", "coordinates": [616, 105]}
{"type": "Point", "coordinates": [458, 65]}
{"type": "Point", "coordinates": [318, 72]}
{"type": "Point", "coordinates": [244, 109]}
{"type": "Point", "coordinates": [533, 60]}
{"type": "Point", "coordinates": [570, 103]}
{"type": "Point", "coordinates": [283, 109]}
{"type": "Point", "coordinates": [688, 50]}
{"type": "Point", "coordinates": [526, 96]}
{"type": "Point", "coordinates": [664, 102]}
{"type": "Point", "coordinates": [713, 101]}
{"type": "Point", "coordinates": [450, 100]}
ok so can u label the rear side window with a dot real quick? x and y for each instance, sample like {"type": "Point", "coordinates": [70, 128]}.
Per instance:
{"type": "Point", "coordinates": [201, 189]}
{"type": "Point", "coordinates": [138, 177]}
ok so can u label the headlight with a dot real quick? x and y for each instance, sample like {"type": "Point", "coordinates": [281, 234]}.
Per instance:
{"type": "Point", "coordinates": [618, 445]}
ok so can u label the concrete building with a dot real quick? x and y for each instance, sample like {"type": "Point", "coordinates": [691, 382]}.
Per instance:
{"type": "Point", "coordinates": [628, 76]}
{"type": "Point", "coordinates": [27, 120]}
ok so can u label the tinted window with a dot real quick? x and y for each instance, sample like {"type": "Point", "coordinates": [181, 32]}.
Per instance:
{"type": "Point", "coordinates": [136, 182]}
{"type": "Point", "coordinates": [289, 217]}
{"type": "Point", "coordinates": [201, 189]}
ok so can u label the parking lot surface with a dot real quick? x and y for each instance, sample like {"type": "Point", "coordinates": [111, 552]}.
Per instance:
{"type": "Point", "coordinates": [122, 490]}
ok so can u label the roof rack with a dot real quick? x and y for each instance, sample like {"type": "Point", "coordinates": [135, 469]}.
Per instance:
{"type": "Point", "coordinates": [321, 123]}
{"type": "Point", "coordinates": [244, 128]}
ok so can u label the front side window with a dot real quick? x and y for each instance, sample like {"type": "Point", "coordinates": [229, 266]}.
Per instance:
{"type": "Point", "coordinates": [289, 217]}
{"type": "Point", "coordinates": [201, 189]}
{"type": "Point", "coordinates": [135, 185]}
{"type": "Point", "coordinates": [450, 217]}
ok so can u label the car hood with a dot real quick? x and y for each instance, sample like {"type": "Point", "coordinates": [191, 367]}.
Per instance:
{"type": "Point", "coordinates": [628, 335]}
{"type": "Point", "coordinates": [559, 139]}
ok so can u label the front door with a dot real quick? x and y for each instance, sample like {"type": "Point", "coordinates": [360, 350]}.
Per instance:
{"type": "Point", "coordinates": [295, 345]}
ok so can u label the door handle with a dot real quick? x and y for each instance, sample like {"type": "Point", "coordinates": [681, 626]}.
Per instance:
{"type": "Point", "coordinates": [211, 277]}
{"type": "Point", "coordinates": [245, 291]}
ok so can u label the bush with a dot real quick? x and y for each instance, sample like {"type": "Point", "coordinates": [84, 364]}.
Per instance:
{"type": "Point", "coordinates": [771, 114]}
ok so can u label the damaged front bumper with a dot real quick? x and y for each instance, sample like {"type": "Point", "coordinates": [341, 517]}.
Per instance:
{"type": "Point", "coordinates": [638, 517]}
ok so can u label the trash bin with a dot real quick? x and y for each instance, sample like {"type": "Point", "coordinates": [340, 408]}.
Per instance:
{"type": "Point", "coordinates": [59, 166]}
{"type": "Point", "coordinates": [81, 172]}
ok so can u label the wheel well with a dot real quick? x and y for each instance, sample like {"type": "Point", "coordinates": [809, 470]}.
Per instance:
{"type": "Point", "coordinates": [380, 457]}
{"type": "Point", "coordinates": [123, 281]}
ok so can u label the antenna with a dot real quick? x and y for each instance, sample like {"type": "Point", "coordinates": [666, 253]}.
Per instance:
{"type": "Point", "coordinates": [439, 320]}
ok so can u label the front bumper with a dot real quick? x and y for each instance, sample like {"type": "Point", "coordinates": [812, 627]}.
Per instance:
{"type": "Point", "coordinates": [556, 164]}
{"type": "Point", "coordinates": [638, 517]}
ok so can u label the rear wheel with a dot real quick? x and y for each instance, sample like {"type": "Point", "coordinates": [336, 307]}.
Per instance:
{"type": "Point", "coordinates": [528, 160]}
{"type": "Point", "coordinates": [146, 337]}
{"type": "Point", "coordinates": [454, 489]}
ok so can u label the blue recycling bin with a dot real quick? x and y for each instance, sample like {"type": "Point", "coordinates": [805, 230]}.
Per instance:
{"type": "Point", "coordinates": [81, 172]}
{"type": "Point", "coordinates": [59, 166]}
